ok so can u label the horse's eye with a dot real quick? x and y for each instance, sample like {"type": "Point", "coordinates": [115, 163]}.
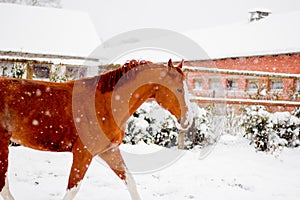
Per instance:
{"type": "Point", "coordinates": [179, 90]}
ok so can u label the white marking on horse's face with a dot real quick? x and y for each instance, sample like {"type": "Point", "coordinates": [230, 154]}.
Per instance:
{"type": "Point", "coordinates": [70, 194]}
{"type": "Point", "coordinates": [187, 122]}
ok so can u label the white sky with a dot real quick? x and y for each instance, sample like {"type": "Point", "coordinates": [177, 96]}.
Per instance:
{"type": "Point", "coordinates": [112, 17]}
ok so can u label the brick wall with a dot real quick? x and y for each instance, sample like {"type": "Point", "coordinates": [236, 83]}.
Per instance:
{"type": "Point", "coordinates": [236, 86]}
{"type": "Point", "coordinates": [285, 63]}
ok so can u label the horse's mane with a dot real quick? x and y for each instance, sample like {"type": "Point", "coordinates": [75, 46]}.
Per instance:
{"type": "Point", "coordinates": [109, 79]}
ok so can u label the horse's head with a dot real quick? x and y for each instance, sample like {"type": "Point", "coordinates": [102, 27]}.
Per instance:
{"type": "Point", "coordinates": [171, 93]}
{"type": "Point", "coordinates": [143, 80]}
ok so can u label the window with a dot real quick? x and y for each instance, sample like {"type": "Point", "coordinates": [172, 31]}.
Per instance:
{"type": "Point", "coordinates": [232, 84]}
{"type": "Point", "coordinates": [276, 84]}
{"type": "Point", "coordinates": [298, 85]}
{"type": "Point", "coordinates": [214, 84]}
{"type": "Point", "coordinates": [252, 85]}
{"type": "Point", "coordinates": [198, 84]}
{"type": "Point", "coordinates": [76, 72]}
{"type": "Point", "coordinates": [41, 71]}
{"type": "Point", "coordinates": [5, 68]}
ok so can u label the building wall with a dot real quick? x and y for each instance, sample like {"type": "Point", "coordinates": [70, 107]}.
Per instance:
{"type": "Point", "coordinates": [254, 87]}
{"type": "Point", "coordinates": [285, 63]}
{"type": "Point", "coordinates": [41, 70]}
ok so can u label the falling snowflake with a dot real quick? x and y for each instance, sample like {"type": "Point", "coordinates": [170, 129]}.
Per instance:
{"type": "Point", "coordinates": [38, 92]}
{"type": "Point", "coordinates": [35, 122]}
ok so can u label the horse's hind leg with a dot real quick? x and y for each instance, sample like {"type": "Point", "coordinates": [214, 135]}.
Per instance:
{"type": "Point", "coordinates": [81, 161]}
{"type": "Point", "coordinates": [5, 193]}
{"type": "Point", "coordinates": [4, 145]}
{"type": "Point", "coordinates": [115, 161]}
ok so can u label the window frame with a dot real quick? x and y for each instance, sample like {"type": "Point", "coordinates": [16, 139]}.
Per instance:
{"type": "Point", "coordinates": [234, 85]}
{"type": "Point", "coordinates": [196, 82]}
{"type": "Point", "coordinates": [276, 81]}
{"type": "Point", "coordinates": [41, 71]}
{"type": "Point", "coordinates": [215, 80]}
{"type": "Point", "coordinates": [252, 81]}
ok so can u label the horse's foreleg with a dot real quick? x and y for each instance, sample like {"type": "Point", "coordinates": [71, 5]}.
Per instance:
{"type": "Point", "coordinates": [4, 144]}
{"type": "Point", "coordinates": [115, 161]}
{"type": "Point", "coordinates": [81, 161]}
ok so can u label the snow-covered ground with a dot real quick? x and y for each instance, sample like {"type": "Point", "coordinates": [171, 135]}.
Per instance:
{"type": "Point", "coordinates": [233, 170]}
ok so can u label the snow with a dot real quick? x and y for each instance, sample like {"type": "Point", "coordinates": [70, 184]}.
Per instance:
{"type": "Point", "coordinates": [260, 10]}
{"type": "Point", "coordinates": [35, 122]}
{"type": "Point", "coordinates": [280, 117]}
{"type": "Point", "coordinates": [233, 170]}
{"type": "Point", "coordinates": [46, 31]}
{"type": "Point", "coordinates": [275, 34]}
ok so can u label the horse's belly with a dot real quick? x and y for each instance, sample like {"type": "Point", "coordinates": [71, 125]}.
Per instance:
{"type": "Point", "coordinates": [42, 143]}
{"type": "Point", "coordinates": [42, 137]}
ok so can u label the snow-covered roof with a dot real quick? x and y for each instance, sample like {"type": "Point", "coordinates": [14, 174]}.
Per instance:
{"type": "Point", "coordinates": [275, 34]}
{"type": "Point", "coordinates": [260, 10]}
{"type": "Point", "coordinates": [43, 30]}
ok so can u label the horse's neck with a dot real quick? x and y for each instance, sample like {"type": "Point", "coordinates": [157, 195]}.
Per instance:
{"type": "Point", "coordinates": [142, 88]}
{"type": "Point", "coordinates": [139, 97]}
{"type": "Point", "coordinates": [129, 96]}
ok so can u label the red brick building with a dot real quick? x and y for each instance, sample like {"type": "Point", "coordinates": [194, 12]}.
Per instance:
{"type": "Point", "coordinates": [253, 60]}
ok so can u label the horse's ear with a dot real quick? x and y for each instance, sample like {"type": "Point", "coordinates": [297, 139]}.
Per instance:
{"type": "Point", "coordinates": [170, 63]}
{"type": "Point", "coordinates": [180, 64]}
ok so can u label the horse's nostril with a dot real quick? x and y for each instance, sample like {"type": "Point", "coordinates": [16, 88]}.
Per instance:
{"type": "Point", "coordinates": [179, 119]}
{"type": "Point", "coordinates": [180, 90]}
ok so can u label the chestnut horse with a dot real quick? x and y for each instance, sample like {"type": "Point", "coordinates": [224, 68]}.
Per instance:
{"type": "Point", "coordinates": [86, 117]}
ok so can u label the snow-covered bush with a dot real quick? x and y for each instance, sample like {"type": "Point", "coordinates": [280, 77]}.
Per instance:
{"type": "Point", "coordinates": [16, 70]}
{"type": "Point", "coordinates": [257, 127]}
{"type": "Point", "coordinates": [152, 124]}
{"type": "Point", "coordinates": [270, 131]}
{"type": "Point", "coordinates": [200, 133]}
{"type": "Point", "coordinates": [286, 127]}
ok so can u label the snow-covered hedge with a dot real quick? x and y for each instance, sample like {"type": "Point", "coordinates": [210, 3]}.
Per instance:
{"type": "Point", "coordinates": [152, 124]}
{"type": "Point", "coordinates": [271, 131]}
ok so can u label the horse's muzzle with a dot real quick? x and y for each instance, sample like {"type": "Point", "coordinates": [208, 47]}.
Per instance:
{"type": "Point", "coordinates": [184, 123]}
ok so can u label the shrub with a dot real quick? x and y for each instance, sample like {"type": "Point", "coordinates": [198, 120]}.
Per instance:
{"type": "Point", "coordinates": [270, 131]}
{"type": "Point", "coordinates": [257, 128]}
{"type": "Point", "coordinates": [200, 133]}
{"type": "Point", "coordinates": [286, 126]}
{"type": "Point", "coordinates": [152, 124]}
